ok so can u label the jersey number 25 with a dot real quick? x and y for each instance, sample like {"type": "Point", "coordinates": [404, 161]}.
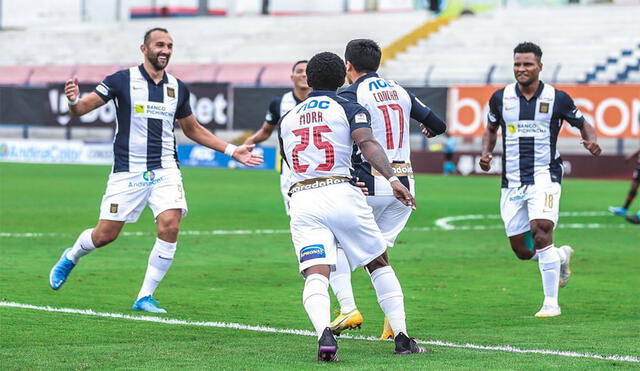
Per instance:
{"type": "Point", "coordinates": [304, 135]}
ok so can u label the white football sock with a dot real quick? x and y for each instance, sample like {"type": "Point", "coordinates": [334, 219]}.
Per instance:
{"type": "Point", "coordinates": [315, 299]}
{"type": "Point", "coordinates": [83, 246]}
{"type": "Point", "coordinates": [160, 260]}
{"type": "Point", "coordinates": [549, 264]}
{"type": "Point", "coordinates": [340, 281]}
{"type": "Point", "coordinates": [562, 255]}
{"type": "Point", "coordinates": [390, 298]}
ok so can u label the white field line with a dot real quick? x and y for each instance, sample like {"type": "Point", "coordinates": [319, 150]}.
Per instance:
{"type": "Point", "coordinates": [238, 326]}
{"type": "Point", "coordinates": [442, 224]}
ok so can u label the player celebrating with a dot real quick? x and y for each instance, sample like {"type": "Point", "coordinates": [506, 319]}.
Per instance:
{"type": "Point", "coordinates": [391, 108]}
{"type": "Point", "coordinates": [278, 107]}
{"type": "Point", "coordinates": [530, 114]}
{"type": "Point", "coordinates": [145, 169]}
{"type": "Point", "coordinates": [317, 138]}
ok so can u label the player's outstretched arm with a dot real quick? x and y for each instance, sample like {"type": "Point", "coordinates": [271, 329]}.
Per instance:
{"type": "Point", "coordinates": [375, 155]}
{"type": "Point", "coordinates": [261, 135]}
{"type": "Point", "coordinates": [77, 106]}
{"type": "Point", "coordinates": [196, 132]}
{"type": "Point", "coordinates": [488, 144]}
{"type": "Point", "coordinates": [589, 139]}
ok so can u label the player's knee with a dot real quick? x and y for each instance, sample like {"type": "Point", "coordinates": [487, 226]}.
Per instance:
{"type": "Point", "coordinates": [542, 239]}
{"type": "Point", "coordinates": [169, 231]}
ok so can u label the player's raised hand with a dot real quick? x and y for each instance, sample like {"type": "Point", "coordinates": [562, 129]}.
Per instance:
{"type": "Point", "coordinates": [592, 147]}
{"type": "Point", "coordinates": [243, 155]}
{"type": "Point", "coordinates": [426, 132]}
{"type": "Point", "coordinates": [71, 89]}
{"type": "Point", "coordinates": [485, 161]}
{"type": "Point", "coordinates": [402, 194]}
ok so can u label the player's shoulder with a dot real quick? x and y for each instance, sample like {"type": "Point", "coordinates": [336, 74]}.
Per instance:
{"type": "Point", "coordinates": [348, 105]}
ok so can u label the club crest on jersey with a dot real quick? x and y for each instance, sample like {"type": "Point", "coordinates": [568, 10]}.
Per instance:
{"type": "Point", "coordinates": [171, 92]}
{"type": "Point", "coordinates": [113, 208]}
{"type": "Point", "coordinates": [312, 252]}
{"type": "Point", "coordinates": [544, 107]}
{"type": "Point", "coordinates": [149, 175]}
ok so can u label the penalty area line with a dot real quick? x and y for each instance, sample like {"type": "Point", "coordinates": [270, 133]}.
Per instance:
{"type": "Point", "coordinates": [238, 326]}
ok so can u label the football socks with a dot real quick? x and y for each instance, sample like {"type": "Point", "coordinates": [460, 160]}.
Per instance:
{"type": "Point", "coordinates": [315, 299]}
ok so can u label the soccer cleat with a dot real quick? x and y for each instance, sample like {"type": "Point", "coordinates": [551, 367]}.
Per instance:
{"type": "Point", "coordinates": [327, 347]}
{"type": "Point", "coordinates": [548, 311]}
{"type": "Point", "coordinates": [148, 304]}
{"type": "Point", "coordinates": [387, 331]}
{"type": "Point", "coordinates": [634, 219]}
{"type": "Point", "coordinates": [350, 320]}
{"type": "Point", "coordinates": [565, 269]}
{"type": "Point", "coordinates": [618, 210]}
{"type": "Point", "coordinates": [407, 345]}
{"type": "Point", "coordinates": [60, 271]}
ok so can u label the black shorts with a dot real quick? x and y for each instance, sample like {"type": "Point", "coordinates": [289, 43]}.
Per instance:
{"type": "Point", "coordinates": [636, 173]}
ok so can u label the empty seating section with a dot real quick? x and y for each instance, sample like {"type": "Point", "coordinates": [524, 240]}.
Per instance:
{"type": "Point", "coordinates": [241, 50]}
{"type": "Point", "coordinates": [477, 49]}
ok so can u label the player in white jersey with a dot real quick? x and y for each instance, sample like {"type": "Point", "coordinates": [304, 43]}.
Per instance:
{"type": "Point", "coordinates": [145, 171]}
{"type": "Point", "coordinates": [317, 140]}
{"type": "Point", "coordinates": [391, 108]}
{"type": "Point", "coordinates": [530, 114]}
{"type": "Point", "coordinates": [279, 107]}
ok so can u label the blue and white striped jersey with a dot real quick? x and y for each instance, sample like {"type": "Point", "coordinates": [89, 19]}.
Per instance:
{"type": "Point", "coordinates": [279, 106]}
{"type": "Point", "coordinates": [315, 136]}
{"type": "Point", "coordinates": [530, 132]}
{"type": "Point", "coordinates": [391, 108]}
{"type": "Point", "coordinates": [145, 117]}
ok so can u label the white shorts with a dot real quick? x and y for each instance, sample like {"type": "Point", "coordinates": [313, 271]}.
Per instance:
{"type": "Point", "coordinates": [391, 216]}
{"type": "Point", "coordinates": [285, 184]}
{"type": "Point", "coordinates": [519, 206]}
{"type": "Point", "coordinates": [339, 212]}
{"type": "Point", "coordinates": [128, 193]}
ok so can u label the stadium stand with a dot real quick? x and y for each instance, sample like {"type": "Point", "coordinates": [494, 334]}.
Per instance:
{"type": "Point", "coordinates": [476, 49]}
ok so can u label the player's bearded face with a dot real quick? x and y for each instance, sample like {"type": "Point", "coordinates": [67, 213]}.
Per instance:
{"type": "Point", "coordinates": [159, 50]}
{"type": "Point", "coordinates": [526, 68]}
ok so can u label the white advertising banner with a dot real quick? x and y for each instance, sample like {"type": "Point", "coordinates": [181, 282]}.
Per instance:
{"type": "Point", "coordinates": [55, 152]}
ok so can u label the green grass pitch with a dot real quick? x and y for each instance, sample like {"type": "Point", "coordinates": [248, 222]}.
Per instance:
{"type": "Point", "coordinates": [461, 285]}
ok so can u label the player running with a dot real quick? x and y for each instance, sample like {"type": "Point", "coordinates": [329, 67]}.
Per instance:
{"type": "Point", "coordinates": [145, 170]}
{"type": "Point", "coordinates": [530, 114]}
{"type": "Point", "coordinates": [278, 107]}
{"type": "Point", "coordinates": [391, 108]}
{"type": "Point", "coordinates": [317, 138]}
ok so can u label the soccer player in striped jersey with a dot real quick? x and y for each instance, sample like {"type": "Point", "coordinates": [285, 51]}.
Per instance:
{"type": "Point", "coordinates": [391, 108]}
{"type": "Point", "coordinates": [145, 172]}
{"type": "Point", "coordinates": [530, 114]}
{"type": "Point", "coordinates": [317, 139]}
{"type": "Point", "coordinates": [279, 107]}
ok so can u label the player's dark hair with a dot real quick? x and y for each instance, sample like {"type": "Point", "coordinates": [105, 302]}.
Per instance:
{"type": "Point", "coordinates": [147, 35]}
{"type": "Point", "coordinates": [326, 71]}
{"type": "Point", "coordinates": [529, 47]}
{"type": "Point", "coordinates": [297, 63]}
{"type": "Point", "coordinates": [364, 55]}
